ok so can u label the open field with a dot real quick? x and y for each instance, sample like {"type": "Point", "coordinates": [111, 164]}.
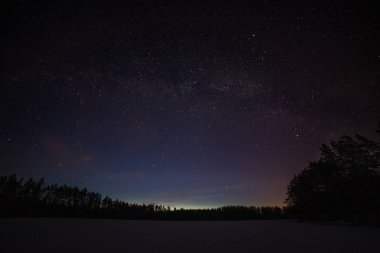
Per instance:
{"type": "Point", "coordinates": [92, 235]}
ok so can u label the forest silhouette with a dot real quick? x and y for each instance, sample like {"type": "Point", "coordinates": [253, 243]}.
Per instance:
{"type": "Point", "coordinates": [343, 185]}
{"type": "Point", "coordinates": [19, 197]}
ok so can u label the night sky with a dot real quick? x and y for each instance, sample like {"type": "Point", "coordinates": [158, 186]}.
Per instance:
{"type": "Point", "coordinates": [196, 104]}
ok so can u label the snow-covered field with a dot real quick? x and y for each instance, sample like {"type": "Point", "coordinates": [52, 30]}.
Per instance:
{"type": "Point", "coordinates": [92, 235]}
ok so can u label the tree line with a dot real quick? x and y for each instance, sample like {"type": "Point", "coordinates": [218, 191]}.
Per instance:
{"type": "Point", "coordinates": [31, 198]}
{"type": "Point", "coordinates": [342, 185]}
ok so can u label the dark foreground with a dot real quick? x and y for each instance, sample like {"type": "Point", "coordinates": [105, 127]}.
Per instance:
{"type": "Point", "coordinates": [87, 235]}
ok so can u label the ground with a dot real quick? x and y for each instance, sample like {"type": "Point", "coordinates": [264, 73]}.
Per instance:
{"type": "Point", "coordinates": [95, 235]}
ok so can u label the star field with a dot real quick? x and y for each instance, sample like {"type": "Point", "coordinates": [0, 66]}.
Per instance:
{"type": "Point", "coordinates": [194, 104]}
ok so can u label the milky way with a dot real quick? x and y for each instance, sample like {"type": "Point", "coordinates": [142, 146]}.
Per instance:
{"type": "Point", "coordinates": [193, 105]}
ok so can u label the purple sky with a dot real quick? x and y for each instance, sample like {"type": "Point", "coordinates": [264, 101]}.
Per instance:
{"type": "Point", "coordinates": [188, 105]}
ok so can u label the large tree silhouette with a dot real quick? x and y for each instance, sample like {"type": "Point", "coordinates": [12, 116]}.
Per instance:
{"type": "Point", "coordinates": [344, 184]}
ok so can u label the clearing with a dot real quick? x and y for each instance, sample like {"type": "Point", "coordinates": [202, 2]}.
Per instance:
{"type": "Point", "coordinates": [97, 235]}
